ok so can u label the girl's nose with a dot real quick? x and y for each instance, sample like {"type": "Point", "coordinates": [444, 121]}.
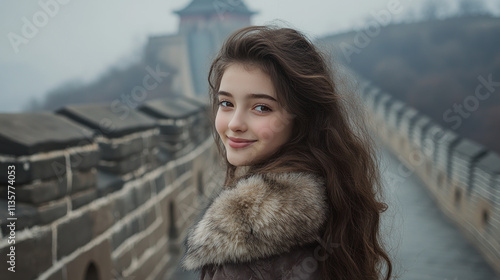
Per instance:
{"type": "Point", "coordinates": [238, 122]}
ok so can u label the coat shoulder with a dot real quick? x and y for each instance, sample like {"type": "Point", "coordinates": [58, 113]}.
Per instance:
{"type": "Point", "coordinates": [262, 216]}
{"type": "Point", "coordinates": [299, 263]}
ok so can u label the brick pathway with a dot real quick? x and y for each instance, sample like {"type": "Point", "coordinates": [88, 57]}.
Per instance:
{"type": "Point", "coordinates": [425, 245]}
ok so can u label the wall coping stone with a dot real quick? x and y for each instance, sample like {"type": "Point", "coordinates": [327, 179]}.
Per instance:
{"type": "Point", "coordinates": [490, 163]}
{"type": "Point", "coordinates": [169, 108]}
{"type": "Point", "coordinates": [30, 133]}
{"type": "Point", "coordinates": [468, 149]}
{"type": "Point", "coordinates": [104, 121]}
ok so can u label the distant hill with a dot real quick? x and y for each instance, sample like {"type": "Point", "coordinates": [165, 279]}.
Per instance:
{"type": "Point", "coordinates": [129, 86]}
{"type": "Point", "coordinates": [436, 67]}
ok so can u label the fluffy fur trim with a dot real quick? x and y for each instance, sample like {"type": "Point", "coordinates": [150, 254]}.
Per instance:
{"type": "Point", "coordinates": [262, 216]}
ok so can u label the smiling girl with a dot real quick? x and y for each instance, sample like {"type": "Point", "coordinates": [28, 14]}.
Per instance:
{"type": "Point", "coordinates": [301, 192]}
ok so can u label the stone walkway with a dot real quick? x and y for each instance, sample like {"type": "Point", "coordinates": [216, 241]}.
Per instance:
{"type": "Point", "coordinates": [424, 244]}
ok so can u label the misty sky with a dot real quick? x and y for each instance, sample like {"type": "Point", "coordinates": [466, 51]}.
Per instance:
{"type": "Point", "coordinates": [81, 39]}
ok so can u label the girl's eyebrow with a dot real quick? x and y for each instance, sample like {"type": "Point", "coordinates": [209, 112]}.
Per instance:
{"type": "Point", "coordinates": [250, 96]}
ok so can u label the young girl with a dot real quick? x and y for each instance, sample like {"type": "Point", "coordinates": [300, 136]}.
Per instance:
{"type": "Point", "coordinates": [300, 196]}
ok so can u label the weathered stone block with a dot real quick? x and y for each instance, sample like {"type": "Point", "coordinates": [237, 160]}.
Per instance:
{"type": "Point", "coordinates": [83, 198]}
{"type": "Point", "coordinates": [124, 204]}
{"type": "Point", "coordinates": [102, 218]}
{"type": "Point", "coordinates": [144, 270]}
{"type": "Point", "coordinates": [148, 217]}
{"type": "Point", "coordinates": [104, 121]}
{"type": "Point", "coordinates": [122, 262]}
{"type": "Point", "coordinates": [52, 211]}
{"type": "Point", "coordinates": [142, 193]}
{"type": "Point", "coordinates": [33, 169]}
{"type": "Point", "coordinates": [123, 166]}
{"type": "Point", "coordinates": [169, 108]}
{"type": "Point", "coordinates": [29, 215]}
{"type": "Point", "coordinates": [160, 183]}
{"type": "Point", "coordinates": [39, 192]}
{"type": "Point", "coordinates": [32, 256]}
{"type": "Point", "coordinates": [108, 183]}
{"type": "Point", "coordinates": [114, 150]}
{"type": "Point", "coordinates": [58, 275]}
{"type": "Point", "coordinates": [94, 263]}
{"type": "Point", "coordinates": [123, 233]}
{"type": "Point", "coordinates": [73, 234]}
{"type": "Point", "coordinates": [31, 133]}
{"type": "Point", "coordinates": [83, 180]}
{"type": "Point", "coordinates": [84, 160]}
{"type": "Point", "coordinates": [141, 245]}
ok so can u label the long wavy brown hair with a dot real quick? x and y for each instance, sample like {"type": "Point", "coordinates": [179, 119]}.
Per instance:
{"type": "Point", "coordinates": [327, 140]}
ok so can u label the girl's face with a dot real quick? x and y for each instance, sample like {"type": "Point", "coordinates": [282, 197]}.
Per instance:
{"type": "Point", "coordinates": [251, 123]}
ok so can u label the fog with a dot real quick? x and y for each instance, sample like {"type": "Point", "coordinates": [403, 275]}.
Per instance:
{"type": "Point", "coordinates": [48, 43]}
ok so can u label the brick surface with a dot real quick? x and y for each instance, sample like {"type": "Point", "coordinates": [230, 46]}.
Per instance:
{"type": "Point", "coordinates": [142, 193]}
{"type": "Point", "coordinates": [123, 166]}
{"type": "Point", "coordinates": [30, 170]}
{"type": "Point", "coordinates": [98, 259]}
{"type": "Point", "coordinates": [27, 216]}
{"type": "Point", "coordinates": [144, 270]}
{"type": "Point", "coordinates": [58, 275]}
{"type": "Point", "coordinates": [84, 160]}
{"type": "Point", "coordinates": [39, 192]}
{"type": "Point", "coordinates": [124, 204]}
{"type": "Point", "coordinates": [83, 180]}
{"type": "Point", "coordinates": [102, 219]}
{"type": "Point", "coordinates": [32, 256]}
{"type": "Point", "coordinates": [31, 133]}
{"type": "Point", "coordinates": [73, 234]}
{"type": "Point", "coordinates": [108, 183]}
{"type": "Point", "coordinates": [123, 233]}
{"type": "Point", "coordinates": [52, 211]}
{"type": "Point", "coordinates": [122, 262]}
{"type": "Point", "coordinates": [119, 150]}
{"type": "Point", "coordinates": [83, 198]}
{"type": "Point", "coordinates": [148, 218]}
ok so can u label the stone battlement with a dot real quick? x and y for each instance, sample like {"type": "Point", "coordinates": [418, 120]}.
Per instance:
{"type": "Point", "coordinates": [102, 194]}
{"type": "Point", "coordinates": [463, 176]}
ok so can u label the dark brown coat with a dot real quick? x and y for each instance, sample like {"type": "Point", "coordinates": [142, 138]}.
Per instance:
{"type": "Point", "coordinates": [266, 227]}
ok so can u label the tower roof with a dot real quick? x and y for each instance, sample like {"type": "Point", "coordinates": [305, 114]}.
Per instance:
{"type": "Point", "coordinates": [208, 7]}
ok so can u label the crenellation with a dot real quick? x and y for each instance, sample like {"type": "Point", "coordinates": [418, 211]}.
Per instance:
{"type": "Point", "coordinates": [381, 105]}
{"type": "Point", "coordinates": [407, 119]}
{"type": "Point", "coordinates": [113, 196]}
{"type": "Point", "coordinates": [463, 157]}
{"type": "Point", "coordinates": [446, 144]}
{"type": "Point", "coordinates": [420, 126]}
{"type": "Point", "coordinates": [462, 175]}
{"type": "Point", "coordinates": [394, 111]}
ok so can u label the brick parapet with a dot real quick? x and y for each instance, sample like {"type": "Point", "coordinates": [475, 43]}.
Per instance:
{"type": "Point", "coordinates": [116, 204]}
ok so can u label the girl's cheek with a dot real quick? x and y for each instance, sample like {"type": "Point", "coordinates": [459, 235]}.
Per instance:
{"type": "Point", "coordinates": [264, 130]}
{"type": "Point", "coordinates": [220, 124]}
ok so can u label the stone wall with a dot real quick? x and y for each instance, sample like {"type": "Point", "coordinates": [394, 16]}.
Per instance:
{"type": "Point", "coordinates": [100, 194]}
{"type": "Point", "coordinates": [463, 176]}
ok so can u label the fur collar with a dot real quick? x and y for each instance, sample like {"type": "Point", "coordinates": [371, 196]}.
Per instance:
{"type": "Point", "coordinates": [262, 216]}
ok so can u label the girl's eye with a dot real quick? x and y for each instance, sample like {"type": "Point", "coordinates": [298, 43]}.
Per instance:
{"type": "Point", "coordinates": [225, 104]}
{"type": "Point", "coordinates": [262, 108]}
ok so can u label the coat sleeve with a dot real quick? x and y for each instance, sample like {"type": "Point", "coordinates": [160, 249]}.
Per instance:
{"type": "Point", "coordinates": [297, 264]}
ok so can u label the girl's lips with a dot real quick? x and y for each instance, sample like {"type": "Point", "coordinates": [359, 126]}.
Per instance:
{"type": "Point", "coordinates": [239, 142]}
